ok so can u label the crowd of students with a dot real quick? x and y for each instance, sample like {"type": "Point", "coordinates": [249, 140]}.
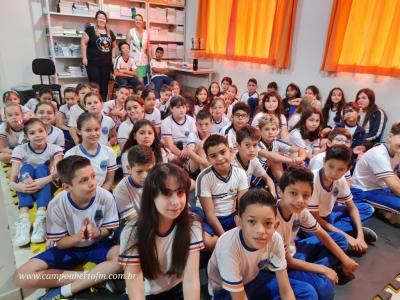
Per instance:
{"type": "Point", "coordinates": [275, 191]}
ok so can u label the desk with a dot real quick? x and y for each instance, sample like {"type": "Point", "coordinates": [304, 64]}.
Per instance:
{"type": "Point", "coordinates": [190, 71]}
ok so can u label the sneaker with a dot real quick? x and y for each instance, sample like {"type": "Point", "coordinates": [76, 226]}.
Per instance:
{"type": "Point", "coordinates": [52, 294]}
{"type": "Point", "coordinates": [39, 229]}
{"type": "Point", "coordinates": [22, 230]}
{"type": "Point", "coordinates": [392, 218]}
{"type": "Point", "coordinates": [369, 235]}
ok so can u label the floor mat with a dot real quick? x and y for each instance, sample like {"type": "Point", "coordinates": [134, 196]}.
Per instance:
{"type": "Point", "coordinates": [378, 267]}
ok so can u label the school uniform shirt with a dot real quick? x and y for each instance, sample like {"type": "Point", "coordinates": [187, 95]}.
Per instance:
{"type": "Point", "coordinates": [357, 133]}
{"type": "Point", "coordinates": [159, 65]}
{"type": "Point", "coordinates": [154, 117]}
{"type": "Point", "coordinates": [229, 132]}
{"type": "Point", "coordinates": [65, 110]}
{"type": "Point", "coordinates": [282, 120]}
{"type": "Point", "coordinates": [222, 190]}
{"type": "Point", "coordinates": [233, 264]}
{"type": "Point", "coordinates": [13, 137]}
{"type": "Point", "coordinates": [278, 146]}
{"type": "Point", "coordinates": [162, 107]}
{"type": "Point", "coordinates": [65, 217]}
{"type": "Point", "coordinates": [317, 162]}
{"type": "Point", "coordinates": [245, 96]}
{"type": "Point", "coordinates": [124, 65]}
{"type": "Point", "coordinates": [373, 167]}
{"type": "Point", "coordinates": [217, 126]}
{"type": "Point", "coordinates": [165, 154]}
{"type": "Point", "coordinates": [289, 228]}
{"type": "Point", "coordinates": [230, 108]}
{"type": "Point", "coordinates": [254, 168]}
{"type": "Point", "coordinates": [331, 118]}
{"type": "Point", "coordinates": [124, 130]}
{"type": "Point", "coordinates": [26, 155]}
{"type": "Point", "coordinates": [293, 120]}
{"type": "Point", "coordinates": [107, 124]}
{"type": "Point", "coordinates": [102, 161]}
{"type": "Point", "coordinates": [109, 105]}
{"type": "Point", "coordinates": [127, 197]}
{"type": "Point", "coordinates": [178, 131]}
{"type": "Point", "coordinates": [324, 198]}
{"type": "Point", "coordinates": [163, 282]}
{"type": "Point", "coordinates": [55, 136]}
{"type": "Point", "coordinates": [75, 111]}
{"type": "Point", "coordinates": [296, 139]}
{"type": "Point", "coordinates": [33, 102]}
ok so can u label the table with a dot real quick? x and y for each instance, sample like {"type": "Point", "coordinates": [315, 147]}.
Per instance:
{"type": "Point", "coordinates": [190, 71]}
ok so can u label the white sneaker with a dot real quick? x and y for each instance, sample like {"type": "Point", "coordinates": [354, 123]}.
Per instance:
{"type": "Point", "coordinates": [22, 230]}
{"type": "Point", "coordinates": [39, 229]}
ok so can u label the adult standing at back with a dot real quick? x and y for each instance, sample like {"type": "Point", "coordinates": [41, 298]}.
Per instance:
{"type": "Point", "coordinates": [138, 39]}
{"type": "Point", "coordinates": [98, 48]}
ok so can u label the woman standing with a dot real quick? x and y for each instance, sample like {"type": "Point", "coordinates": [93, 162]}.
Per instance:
{"type": "Point", "coordinates": [98, 48]}
{"type": "Point", "coordinates": [138, 39]}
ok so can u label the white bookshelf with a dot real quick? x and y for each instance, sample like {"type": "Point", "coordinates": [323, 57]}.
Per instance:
{"type": "Point", "coordinates": [164, 30]}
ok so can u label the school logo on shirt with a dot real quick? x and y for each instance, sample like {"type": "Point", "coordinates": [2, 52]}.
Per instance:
{"type": "Point", "coordinates": [103, 164]}
{"type": "Point", "coordinates": [98, 215]}
{"type": "Point", "coordinates": [296, 225]}
{"type": "Point", "coordinates": [335, 192]}
{"type": "Point", "coordinates": [262, 264]}
{"type": "Point", "coordinates": [187, 133]}
{"type": "Point", "coordinates": [104, 130]}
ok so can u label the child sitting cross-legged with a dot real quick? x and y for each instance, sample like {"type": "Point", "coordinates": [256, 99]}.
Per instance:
{"type": "Point", "coordinates": [247, 139]}
{"type": "Point", "coordinates": [79, 219]}
{"type": "Point", "coordinates": [309, 260]}
{"type": "Point", "coordinates": [219, 187]}
{"type": "Point", "coordinates": [249, 260]}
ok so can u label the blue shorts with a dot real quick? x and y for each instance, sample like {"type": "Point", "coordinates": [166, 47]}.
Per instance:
{"type": "Point", "coordinates": [227, 222]}
{"type": "Point", "coordinates": [69, 259]}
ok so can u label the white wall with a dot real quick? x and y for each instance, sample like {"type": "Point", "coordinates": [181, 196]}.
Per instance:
{"type": "Point", "coordinates": [22, 29]}
{"type": "Point", "coordinates": [307, 53]}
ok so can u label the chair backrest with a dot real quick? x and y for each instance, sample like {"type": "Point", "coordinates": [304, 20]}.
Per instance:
{"type": "Point", "coordinates": [43, 67]}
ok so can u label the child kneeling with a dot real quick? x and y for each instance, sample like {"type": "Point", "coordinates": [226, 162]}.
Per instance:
{"type": "Point", "coordinates": [79, 219]}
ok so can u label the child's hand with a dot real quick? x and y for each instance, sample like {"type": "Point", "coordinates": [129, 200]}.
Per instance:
{"type": "Point", "coordinates": [295, 102]}
{"type": "Point", "coordinates": [358, 245]}
{"type": "Point", "coordinates": [184, 155]}
{"type": "Point", "coordinates": [349, 266]}
{"type": "Point", "coordinates": [27, 188]}
{"type": "Point", "coordinates": [297, 160]}
{"type": "Point", "coordinates": [93, 231]}
{"type": "Point", "coordinates": [330, 274]}
{"type": "Point", "coordinates": [83, 230]}
{"type": "Point", "coordinates": [359, 149]}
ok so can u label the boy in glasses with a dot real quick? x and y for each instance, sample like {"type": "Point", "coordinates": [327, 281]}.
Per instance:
{"type": "Point", "coordinates": [240, 117]}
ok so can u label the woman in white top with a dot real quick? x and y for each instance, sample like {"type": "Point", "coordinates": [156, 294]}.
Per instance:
{"type": "Point", "coordinates": [138, 39]}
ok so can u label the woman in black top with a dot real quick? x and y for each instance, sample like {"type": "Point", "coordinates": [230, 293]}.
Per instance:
{"type": "Point", "coordinates": [98, 45]}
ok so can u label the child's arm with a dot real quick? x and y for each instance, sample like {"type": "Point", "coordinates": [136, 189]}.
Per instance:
{"type": "Point", "coordinates": [197, 154]}
{"type": "Point", "coordinates": [208, 207]}
{"type": "Point", "coordinates": [298, 264]}
{"type": "Point", "coordinates": [285, 290]}
{"type": "Point", "coordinates": [358, 244]}
{"type": "Point", "coordinates": [191, 280]}
{"type": "Point", "coordinates": [113, 136]}
{"type": "Point", "coordinates": [60, 121]}
{"type": "Point", "coordinates": [270, 184]}
{"type": "Point", "coordinates": [109, 180]}
{"type": "Point", "coordinates": [134, 282]}
{"type": "Point", "coordinates": [74, 134]}
{"type": "Point", "coordinates": [241, 193]}
{"type": "Point", "coordinates": [169, 144]}
{"type": "Point", "coordinates": [349, 265]}
{"type": "Point", "coordinates": [239, 295]}
{"type": "Point", "coordinates": [301, 153]}
{"type": "Point", "coordinates": [21, 187]}
{"type": "Point", "coordinates": [274, 156]}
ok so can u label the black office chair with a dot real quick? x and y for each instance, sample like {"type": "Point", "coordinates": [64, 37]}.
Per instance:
{"type": "Point", "coordinates": [46, 67]}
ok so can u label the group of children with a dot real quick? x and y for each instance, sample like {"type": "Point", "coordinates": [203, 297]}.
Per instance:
{"type": "Point", "coordinates": [148, 184]}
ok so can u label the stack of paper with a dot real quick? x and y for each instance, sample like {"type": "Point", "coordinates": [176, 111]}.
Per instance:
{"type": "Point", "coordinates": [141, 11]}
{"type": "Point", "coordinates": [180, 17]}
{"type": "Point", "coordinates": [126, 13]}
{"type": "Point", "coordinates": [154, 33]}
{"type": "Point", "coordinates": [158, 14]}
{"type": "Point", "coordinates": [56, 30]}
{"type": "Point", "coordinates": [179, 34]}
{"type": "Point", "coordinates": [74, 71]}
{"type": "Point", "coordinates": [65, 7]}
{"type": "Point", "coordinates": [171, 50]}
{"type": "Point", "coordinates": [171, 15]}
{"type": "Point", "coordinates": [180, 51]}
{"type": "Point", "coordinates": [75, 50]}
{"type": "Point", "coordinates": [93, 8]}
{"type": "Point", "coordinates": [163, 34]}
{"type": "Point", "coordinates": [114, 11]}
{"type": "Point", "coordinates": [80, 9]}
{"type": "Point", "coordinates": [70, 31]}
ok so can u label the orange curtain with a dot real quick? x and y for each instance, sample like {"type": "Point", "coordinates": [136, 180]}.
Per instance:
{"type": "Point", "coordinates": [256, 31]}
{"type": "Point", "coordinates": [364, 37]}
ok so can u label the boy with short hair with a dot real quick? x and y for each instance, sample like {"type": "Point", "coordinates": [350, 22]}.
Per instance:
{"type": "Point", "coordinates": [164, 100]}
{"type": "Point", "coordinates": [247, 139]}
{"type": "Point", "coordinates": [275, 152]}
{"type": "Point", "coordinates": [330, 186]}
{"type": "Point", "coordinates": [76, 110]}
{"type": "Point", "coordinates": [125, 67]}
{"type": "Point", "coordinates": [80, 219]}
{"type": "Point", "coordinates": [115, 109]}
{"type": "Point", "coordinates": [249, 261]}
{"type": "Point", "coordinates": [308, 260]}
{"type": "Point", "coordinates": [240, 117]}
{"type": "Point", "coordinates": [251, 96]}
{"type": "Point", "coordinates": [219, 187]}
{"type": "Point", "coordinates": [64, 113]}
{"type": "Point", "coordinates": [159, 71]}
{"type": "Point", "coordinates": [375, 178]}
{"type": "Point", "coordinates": [129, 190]}
{"type": "Point", "coordinates": [176, 128]}
{"type": "Point", "coordinates": [197, 157]}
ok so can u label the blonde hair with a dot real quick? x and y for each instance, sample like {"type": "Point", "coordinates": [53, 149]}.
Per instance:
{"type": "Point", "coordinates": [7, 94]}
{"type": "Point", "coordinates": [96, 28]}
{"type": "Point", "coordinates": [268, 120]}
{"type": "Point", "coordinates": [7, 125]}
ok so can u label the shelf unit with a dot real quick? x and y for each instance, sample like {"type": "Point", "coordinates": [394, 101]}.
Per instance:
{"type": "Point", "coordinates": [169, 22]}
